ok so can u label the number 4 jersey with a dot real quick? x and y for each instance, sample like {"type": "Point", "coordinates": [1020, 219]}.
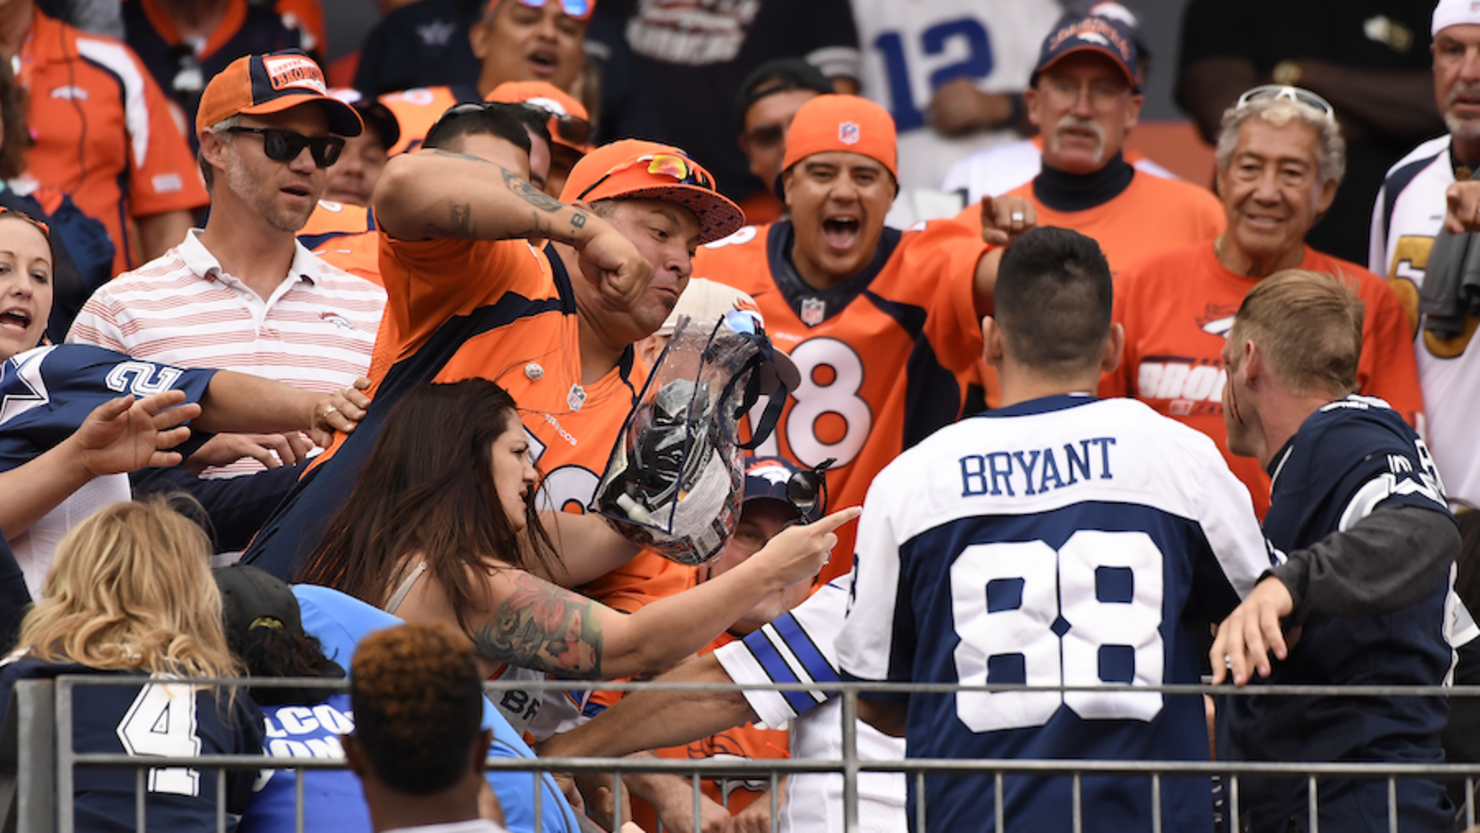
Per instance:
{"type": "Point", "coordinates": [1062, 541]}
{"type": "Point", "coordinates": [885, 358]}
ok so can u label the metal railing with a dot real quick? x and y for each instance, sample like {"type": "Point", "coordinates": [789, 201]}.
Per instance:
{"type": "Point", "coordinates": [38, 759]}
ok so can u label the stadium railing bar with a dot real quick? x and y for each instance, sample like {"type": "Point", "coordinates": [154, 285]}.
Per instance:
{"type": "Point", "coordinates": [38, 759]}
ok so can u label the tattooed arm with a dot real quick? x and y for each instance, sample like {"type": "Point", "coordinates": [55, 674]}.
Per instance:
{"type": "Point", "coordinates": [437, 193]}
{"type": "Point", "coordinates": [535, 624]}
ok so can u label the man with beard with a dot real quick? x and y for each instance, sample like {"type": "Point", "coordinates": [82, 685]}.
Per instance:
{"type": "Point", "coordinates": [1085, 95]}
{"type": "Point", "coordinates": [242, 294]}
{"type": "Point", "coordinates": [1405, 221]}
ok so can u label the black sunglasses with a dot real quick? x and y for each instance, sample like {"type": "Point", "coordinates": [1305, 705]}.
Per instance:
{"type": "Point", "coordinates": [285, 145]}
{"type": "Point", "coordinates": [807, 487]}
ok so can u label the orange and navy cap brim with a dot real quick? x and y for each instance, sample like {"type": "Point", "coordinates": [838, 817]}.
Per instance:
{"type": "Point", "coordinates": [259, 85]}
{"type": "Point", "coordinates": [598, 176]}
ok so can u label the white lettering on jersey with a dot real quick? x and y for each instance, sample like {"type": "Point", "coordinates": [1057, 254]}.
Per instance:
{"type": "Point", "coordinates": [1180, 381]}
{"type": "Point", "coordinates": [162, 723]}
{"type": "Point", "coordinates": [142, 378]}
{"type": "Point", "coordinates": [1046, 617]}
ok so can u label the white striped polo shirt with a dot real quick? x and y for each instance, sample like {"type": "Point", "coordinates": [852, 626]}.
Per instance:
{"type": "Point", "coordinates": [316, 331]}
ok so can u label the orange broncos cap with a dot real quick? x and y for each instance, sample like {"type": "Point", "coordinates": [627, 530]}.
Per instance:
{"type": "Point", "coordinates": [842, 122]}
{"type": "Point", "coordinates": [635, 169]}
{"type": "Point", "coordinates": [271, 83]}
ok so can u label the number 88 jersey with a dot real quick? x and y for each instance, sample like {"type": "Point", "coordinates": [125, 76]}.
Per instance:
{"type": "Point", "coordinates": [886, 358]}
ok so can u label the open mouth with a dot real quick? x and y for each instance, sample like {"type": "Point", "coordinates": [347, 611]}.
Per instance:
{"type": "Point", "coordinates": [14, 318]}
{"type": "Point", "coordinates": [544, 61]}
{"type": "Point", "coordinates": [297, 191]}
{"type": "Point", "coordinates": [840, 232]}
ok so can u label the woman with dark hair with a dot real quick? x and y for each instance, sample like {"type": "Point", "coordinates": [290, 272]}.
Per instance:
{"type": "Point", "coordinates": [442, 528]}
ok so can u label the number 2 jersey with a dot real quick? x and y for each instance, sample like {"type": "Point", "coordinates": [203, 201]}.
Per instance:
{"type": "Point", "coordinates": [168, 719]}
{"type": "Point", "coordinates": [1061, 541]}
{"type": "Point", "coordinates": [45, 396]}
{"type": "Point", "coordinates": [886, 357]}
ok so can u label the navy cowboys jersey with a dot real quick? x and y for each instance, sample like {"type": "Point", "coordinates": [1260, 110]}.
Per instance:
{"type": "Point", "coordinates": [1349, 458]}
{"type": "Point", "coordinates": [47, 393]}
{"type": "Point", "coordinates": [171, 720]}
{"type": "Point", "coordinates": [1062, 541]}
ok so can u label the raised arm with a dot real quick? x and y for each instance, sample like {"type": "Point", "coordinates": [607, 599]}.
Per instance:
{"type": "Point", "coordinates": [535, 624]}
{"type": "Point", "coordinates": [439, 194]}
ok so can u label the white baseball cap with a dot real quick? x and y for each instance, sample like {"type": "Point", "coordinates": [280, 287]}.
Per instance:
{"type": "Point", "coordinates": [706, 300]}
{"type": "Point", "coordinates": [1455, 13]}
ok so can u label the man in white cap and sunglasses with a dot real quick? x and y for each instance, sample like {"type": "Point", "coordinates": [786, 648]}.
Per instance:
{"type": "Point", "coordinates": [1280, 158]}
{"type": "Point", "coordinates": [242, 294]}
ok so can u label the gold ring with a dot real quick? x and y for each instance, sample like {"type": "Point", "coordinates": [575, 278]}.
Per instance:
{"type": "Point", "coordinates": [330, 410]}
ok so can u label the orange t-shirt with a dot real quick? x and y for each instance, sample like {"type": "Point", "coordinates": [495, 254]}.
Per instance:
{"type": "Point", "coordinates": [1151, 215]}
{"type": "Point", "coordinates": [344, 235]}
{"type": "Point", "coordinates": [1177, 309]}
{"type": "Point", "coordinates": [885, 357]}
{"type": "Point", "coordinates": [104, 132]}
{"type": "Point", "coordinates": [416, 110]}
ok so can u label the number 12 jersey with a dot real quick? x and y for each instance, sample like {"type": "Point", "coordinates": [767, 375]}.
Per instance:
{"type": "Point", "coordinates": [1063, 541]}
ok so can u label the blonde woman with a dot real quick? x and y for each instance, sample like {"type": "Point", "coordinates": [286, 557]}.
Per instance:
{"type": "Point", "coordinates": [130, 594]}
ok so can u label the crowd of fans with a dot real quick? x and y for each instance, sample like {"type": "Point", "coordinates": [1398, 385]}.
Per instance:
{"type": "Point", "coordinates": [362, 337]}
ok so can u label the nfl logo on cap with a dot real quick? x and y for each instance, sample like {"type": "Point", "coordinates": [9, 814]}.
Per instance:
{"type": "Point", "coordinates": [848, 133]}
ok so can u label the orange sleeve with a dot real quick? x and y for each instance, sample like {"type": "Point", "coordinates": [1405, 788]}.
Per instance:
{"type": "Point", "coordinates": [430, 281]}
{"type": "Point", "coordinates": [971, 217]}
{"type": "Point", "coordinates": [953, 252]}
{"type": "Point", "coordinates": [163, 175]}
{"type": "Point", "coordinates": [1387, 368]}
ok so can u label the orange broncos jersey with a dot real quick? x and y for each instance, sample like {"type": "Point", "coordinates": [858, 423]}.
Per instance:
{"type": "Point", "coordinates": [103, 132]}
{"type": "Point", "coordinates": [885, 358]}
{"type": "Point", "coordinates": [1177, 309]}
{"type": "Point", "coordinates": [455, 309]}
{"type": "Point", "coordinates": [344, 235]}
{"type": "Point", "coordinates": [416, 110]}
{"type": "Point", "coordinates": [1150, 216]}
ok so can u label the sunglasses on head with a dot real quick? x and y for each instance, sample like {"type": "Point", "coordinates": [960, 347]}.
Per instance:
{"type": "Point", "coordinates": [572, 130]}
{"type": "Point", "coordinates": [578, 9]}
{"type": "Point", "coordinates": [285, 145]}
{"type": "Point", "coordinates": [1274, 92]}
{"type": "Point", "coordinates": [806, 488]}
{"type": "Point", "coordinates": [684, 171]}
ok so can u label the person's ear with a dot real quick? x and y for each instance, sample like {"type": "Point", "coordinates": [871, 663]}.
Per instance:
{"type": "Point", "coordinates": [788, 176]}
{"type": "Point", "coordinates": [1032, 101]}
{"type": "Point", "coordinates": [1253, 364]}
{"type": "Point", "coordinates": [212, 149]}
{"type": "Point", "coordinates": [354, 756]}
{"type": "Point", "coordinates": [1133, 110]}
{"type": "Point", "coordinates": [1114, 348]}
{"type": "Point", "coordinates": [1327, 196]}
{"type": "Point", "coordinates": [478, 39]}
{"type": "Point", "coordinates": [992, 352]}
{"type": "Point", "coordinates": [480, 749]}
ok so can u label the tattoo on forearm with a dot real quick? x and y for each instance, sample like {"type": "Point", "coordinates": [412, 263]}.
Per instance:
{"type": "Point", "coordinates": [530, 194]}
{"type": "Point", "coordinates": [544, 627]}
{"type": "Point", "coordinates": [578, 220]}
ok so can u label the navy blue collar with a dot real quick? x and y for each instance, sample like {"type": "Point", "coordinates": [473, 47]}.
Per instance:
{"type": "Point", "coordinates": [1057, 402]}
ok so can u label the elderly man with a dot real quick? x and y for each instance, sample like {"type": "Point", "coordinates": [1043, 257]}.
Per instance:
{"type": "Point", "coordinates": [881, 323]}
{"type": "Point", "coordinates": [1359, 509]}
{"type": "Point", "coordinates": [1279, 163]}
{"type": "Point", "coordinates": [1405, 222]}
{"type": "Point", "coordinates": [1085, 95]}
